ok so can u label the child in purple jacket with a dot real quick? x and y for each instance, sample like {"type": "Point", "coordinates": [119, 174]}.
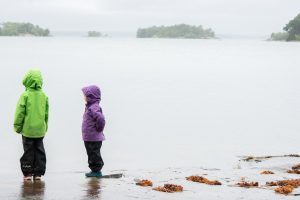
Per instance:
{"type": "Point", "coordinates": [92, 129]}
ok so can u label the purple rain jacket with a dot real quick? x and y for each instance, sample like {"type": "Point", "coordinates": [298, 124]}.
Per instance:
{"type": "Point", "coordinates": [93, 120]}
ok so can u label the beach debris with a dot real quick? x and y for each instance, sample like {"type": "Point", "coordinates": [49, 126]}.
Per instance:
{"type": "Point", "coordinates": [242, 179]}
{"type": "Point", "coordinates": [169, 188]}
{"type": "Point", "coordinates": [292, 182]}
{"type": "Point", "coordinates": [201, 179]}
{"type": "Point", "coordinates": [284, 189]}
{"type": "Point", "coordinates": [296, 167]}
{"type": "Point", "coordinates": [247, 184]}
{"type": "Point", "coordinates": [292, 155]}
{"type": "Point", "coordinates": [267, 172]}
{"type": "Point", "coordinates": [251, 158]}
{"type": "Point", "coordinates": [261, 158]}
{"type": "Point", "coordinates": [285, 186]}
{"type": "Point", "coordinates": [144, 183]}
{"type": "Point", "coordinates": [293, 171]}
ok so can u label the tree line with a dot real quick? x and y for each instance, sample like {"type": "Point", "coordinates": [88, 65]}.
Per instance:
{"type": "Point", "coordinates": [22, 29]}
{"type": "Point", "coordinates": [175, 31]}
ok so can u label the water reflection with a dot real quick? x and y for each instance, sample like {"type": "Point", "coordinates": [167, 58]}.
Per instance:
{"type": "Point", "coordinates": [93, 188]}
{"type": "Point", "coordinates": [33, 190]}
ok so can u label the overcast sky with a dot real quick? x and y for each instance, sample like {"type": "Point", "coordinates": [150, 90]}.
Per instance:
{"type": "Point", "coordinates": [239, 17]}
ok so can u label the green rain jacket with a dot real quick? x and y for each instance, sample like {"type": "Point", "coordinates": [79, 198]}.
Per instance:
{"type": "Point", "coordinates": [31, 117]}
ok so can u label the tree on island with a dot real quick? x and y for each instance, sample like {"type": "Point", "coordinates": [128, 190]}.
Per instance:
{"type": "Point", "coordinates": [292, 31]}
{"type": "Point", "coordinates": [94, 34]}
{"type": "Point", "coordinates": [280, 36]}
{"type": "Point", "coordinates": [22, 29]}
{"type": "Point", "coordinates": [175, 31]}
{"type": "Point", "coordinates": [293, 28]}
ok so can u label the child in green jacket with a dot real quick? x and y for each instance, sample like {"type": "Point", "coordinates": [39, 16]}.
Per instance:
{"type": "Point", "coordinates": [31, 120]}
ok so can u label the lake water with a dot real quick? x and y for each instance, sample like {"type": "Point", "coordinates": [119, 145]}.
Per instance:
{"type": "Point", "coordinates": [168, 103]}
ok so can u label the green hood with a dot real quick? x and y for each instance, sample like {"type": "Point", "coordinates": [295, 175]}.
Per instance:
{"type": "Point", "coordinates": [33, 79]}
{"type": "Point", "coordinates": [31, 116]}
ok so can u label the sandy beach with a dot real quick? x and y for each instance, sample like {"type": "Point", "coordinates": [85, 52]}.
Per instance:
{"type": "Point", "coordinates": [73, 185]}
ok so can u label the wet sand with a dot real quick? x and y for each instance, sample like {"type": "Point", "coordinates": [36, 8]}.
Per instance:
{"type": "Point", "coordinates": [73, 185]}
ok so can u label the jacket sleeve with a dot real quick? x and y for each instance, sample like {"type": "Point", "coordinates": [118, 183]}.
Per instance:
{"type": "Point", "coordinates": [20, 113]}
{"type": "Point", "coordinates": [99, 118]}
{"type": "Point", "coordinates": [47, 113]}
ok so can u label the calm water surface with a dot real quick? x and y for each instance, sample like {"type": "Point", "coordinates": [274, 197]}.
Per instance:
{"type": "Point", "coordinates": [168, 103]}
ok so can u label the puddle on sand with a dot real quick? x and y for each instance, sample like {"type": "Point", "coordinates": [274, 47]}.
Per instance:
{"type": "Point", "coordinates": [93, 188]}
{"type": "Point", "coordinates": [32, 190]}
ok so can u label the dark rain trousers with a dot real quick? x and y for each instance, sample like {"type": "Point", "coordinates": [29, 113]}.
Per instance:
{"type": "Point", "coordinates": [33, 161]}
{"type": "Point", "coordinates": [94, 155]}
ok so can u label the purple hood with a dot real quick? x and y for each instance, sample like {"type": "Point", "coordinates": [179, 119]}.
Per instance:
{"type": "Point", "coordinates": [93, 118]}
{"type": "Point", "coordinates": [92, 93]}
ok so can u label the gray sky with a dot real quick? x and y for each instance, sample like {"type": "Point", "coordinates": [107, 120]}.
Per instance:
{"type": "Point", "coordinates": [239, 17]}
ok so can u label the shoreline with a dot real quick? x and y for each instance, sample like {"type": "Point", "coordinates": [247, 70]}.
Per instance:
{"type": "Point", "coordinates": [73, 185]}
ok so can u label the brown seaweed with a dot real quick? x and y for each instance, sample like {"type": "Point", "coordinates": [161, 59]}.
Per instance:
{"type": "Point", "coordinates": [201, 179]}
{"type": "Point", "coordinates": [169, 188]}
{"type": "Point", "coordinates": [293, 171]}
{"type": "Point", "coordinates": [247, 184]}
{"type": "Point", "coordinates": [296, 167]}
{"type": "Point", "coordinates": [284, 189]}
{"type": "Point", "coordinates": [292, 182]}
{"type": "Point", "coordinates": [267, 172]}
{"type": "Point", "coordinates": [285, 186]}
{"type": "Point", "coordinates": [144, 183]}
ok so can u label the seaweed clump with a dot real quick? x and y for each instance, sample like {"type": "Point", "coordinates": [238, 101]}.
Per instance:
{"type": "Point", "coordinates": [292, 182]}
{"type": "Point", "coordinates": [285, 186]}
{"type": "Point", "coordinates": [144, 183]}
{"type": "Point", "coordinates": [247, 184]}
{"type": "Point", "coordinates": [296, 167]}
{"type": "Point", "coordinates": [267, 172]}
{"type": "Point", "coordinates": [284, 189]}
{"type": "Point", "coordinates": [201, 179]}
{"type": "Point", "coordinates": [169, 188]}
{"type": "Point", "coordinates": [293, 171]}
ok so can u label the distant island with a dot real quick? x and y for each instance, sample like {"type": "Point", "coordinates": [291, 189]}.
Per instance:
{"type": "Point", "coordinates": [22, 29]}
{"type": "Point", "coordinates": [176, 31]}
{"type": "Point", "coordinates": [292, 31]}
{"type": "Point", "coordinates": [96, 34]}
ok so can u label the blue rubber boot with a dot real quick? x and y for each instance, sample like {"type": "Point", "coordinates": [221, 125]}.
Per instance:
{"type": "Point", "coordinates": [94, 174]}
